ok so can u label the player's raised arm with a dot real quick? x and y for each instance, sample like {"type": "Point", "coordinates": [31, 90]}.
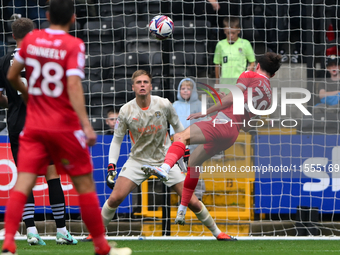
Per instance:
{"type": "Point", "coordinates": [226, 102]}
{"type": "Point", "coordinates": [76, 95]}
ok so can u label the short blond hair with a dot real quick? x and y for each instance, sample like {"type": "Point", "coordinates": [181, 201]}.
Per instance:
{"type": "Point", "coordinates": [232, 22]}
{"type": "Point", "coordinates": [187, 83]}
{"type": "Point", "coordinates": [139, 73]}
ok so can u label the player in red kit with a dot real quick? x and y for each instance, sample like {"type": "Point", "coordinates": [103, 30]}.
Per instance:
{"type": "Point", "coordinates": [214, 137]}
{"type": "Point", "coordinates": [57, 127]}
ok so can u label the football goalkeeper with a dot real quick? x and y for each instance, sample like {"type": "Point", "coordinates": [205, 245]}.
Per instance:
{"type": "Point", "coordinates": [147, 119]}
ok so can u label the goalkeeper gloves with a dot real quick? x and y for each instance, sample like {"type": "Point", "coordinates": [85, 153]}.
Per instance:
{"type": "Point", "coordinates": [111, 174]}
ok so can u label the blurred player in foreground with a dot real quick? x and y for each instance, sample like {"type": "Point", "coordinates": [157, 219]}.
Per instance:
{"type": "Point", "coordinates": [16, 115]}
{"type": "Point", "coordinates": [146, 117]}
{"type": "Point", "coordinates": [57, 127]}
{"type": "Point", "coordinates": [213, 137]}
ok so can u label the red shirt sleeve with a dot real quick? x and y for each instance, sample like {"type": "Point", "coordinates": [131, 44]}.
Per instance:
{"type": "Point", "coordinates": [76, 60]}
{"type": "Point", "coordinates": [244, 79]}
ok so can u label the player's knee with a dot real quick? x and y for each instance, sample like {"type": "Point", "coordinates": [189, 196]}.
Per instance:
{"type": "Point", "coordinates": [179, 137]}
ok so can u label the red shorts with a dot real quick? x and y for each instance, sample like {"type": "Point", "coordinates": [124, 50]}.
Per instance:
{"type": "Point", "coordinates": [67, 149]}
{"type": "Point", "coordinates": [219, 137]}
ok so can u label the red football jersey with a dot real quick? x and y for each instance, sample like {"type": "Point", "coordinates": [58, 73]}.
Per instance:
{"type": "Point", "coordinates": [261, 91]}
{"type": "Point", "coordinates": [50, 56]}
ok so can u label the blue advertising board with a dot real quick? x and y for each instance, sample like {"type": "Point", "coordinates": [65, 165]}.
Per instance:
{"type": "Point", "coordinates": [297, 170]}
{"type": "Point", "coordinates": [99, 154]}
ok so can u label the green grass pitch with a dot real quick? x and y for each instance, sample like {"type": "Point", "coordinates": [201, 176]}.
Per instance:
{"type": "Point", "coordinates": [150, 247]}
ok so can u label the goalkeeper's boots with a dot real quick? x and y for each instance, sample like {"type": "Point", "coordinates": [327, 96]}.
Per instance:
{"type": "Point", "coordinates": [65, 239]}
{"type": "Point", "coordinates": [155, 170]}
{"type": "Point", "coordinates": [180, 218]}
{"type": "Point", "coordinates": [87, 239]}
{"type": "Point", "coordinates": [34, 239]}
{"type": "Point", "coordinates": [225, 237]}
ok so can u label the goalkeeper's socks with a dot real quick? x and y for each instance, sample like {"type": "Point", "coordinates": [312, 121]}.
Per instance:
{"type": "Point", "coordinates": [190, 184]}
{"type": "Point", "coordinates": [107, 213]}
{"type": "Point", "coordinates": [14, 209]}
{"type": "Point", "coordinates": [62, 231]}
{"type": "Point", "coordinates": [32, 230]}
{"type": "Point", "coordinates": [90, 212]}
{"type": "Point", "coordinates": [175, 152]}
{"type": "Point", "coordinates": [182, 208]}
{"type": "Point", "coordinates": [205, 217]}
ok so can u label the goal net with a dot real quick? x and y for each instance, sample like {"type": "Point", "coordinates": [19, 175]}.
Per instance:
{"type": "Point", "coordinates": [280, 179]}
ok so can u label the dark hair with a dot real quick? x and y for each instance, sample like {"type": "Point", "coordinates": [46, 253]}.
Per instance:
{"type": "Point", "coordinates": [233, 22]}
{"type": "Point", "coordinates": [270, 62]}
{"type": "Point", "coordinates": [22, 27]}
{"type": "Point", "coordinates": [113, 110]}
{"type": "Point", "coordinates": [332, 60]}
{"type": "Point", "coordinates": [139, 73]}
{"type": "Point", "coordinates": [61, 11]}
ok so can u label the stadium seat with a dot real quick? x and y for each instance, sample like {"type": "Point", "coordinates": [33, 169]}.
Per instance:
{"type": "Point", "coordinates": [93, 67]}
{"type": "Point", "coordinates": [156, 64]}
{"type": "Point", "coordinates": [149, 9]}
{"type": "Point", "coordinates": [191, 37]}
{"type": "Point", "coordinates": [144, 61]}
{"type": "Point", "coordinates": [157, 87]}
{"type": "Point", "coordinates": [122, 11]}
{"type": "Point", "coordinates": [139, 39]}
{"type": "Point", "coordinates": [122, 65]}
{"type": "Point", "coordinates": [191, 29]}
{"type": "Point", "coordinates": [182, 64]}
{"type": "Point", "coordinates": [98, 123]}
{"type": "Point", "coordinates": [99, 36]}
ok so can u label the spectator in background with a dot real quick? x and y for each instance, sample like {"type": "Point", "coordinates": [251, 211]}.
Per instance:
{"type": "Point", "coordinates": [112, 115]}
{"type": "Point", "coordinates": [223, 9]}
{"type": "Point", "coordinates": [232, 54]}
{"type": "Point", "coordinates": [188, 103]}
{"type": "Point", "coordinates": [329, 90]}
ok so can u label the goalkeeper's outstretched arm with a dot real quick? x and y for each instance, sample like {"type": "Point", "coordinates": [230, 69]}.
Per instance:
{"type": "Point", "coordinates": [115, 149]}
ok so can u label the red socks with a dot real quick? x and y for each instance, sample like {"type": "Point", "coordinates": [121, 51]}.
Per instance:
{"type": "Point", "coordinates": [175, 152]}
{"type": "Point", "coordinates": [190, 184]}
{"type": "Point", "coordinates": [14, 209]}
{"type": "Point", "coordinates": [91, 215]}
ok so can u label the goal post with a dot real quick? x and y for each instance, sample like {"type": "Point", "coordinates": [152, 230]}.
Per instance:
{"type": "Point", "coordinates": [286, 177]}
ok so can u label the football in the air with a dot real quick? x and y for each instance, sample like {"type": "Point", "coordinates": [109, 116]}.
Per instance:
{"type": "Point", "coordinates": [161, 27]}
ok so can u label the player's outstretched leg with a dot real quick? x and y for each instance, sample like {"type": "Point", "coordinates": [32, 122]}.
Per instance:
{"type": "Point", "coordinates": [161, 173]}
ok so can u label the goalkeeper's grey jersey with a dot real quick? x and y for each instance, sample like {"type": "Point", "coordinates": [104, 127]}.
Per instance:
{"type": "Point", "coordinates": [147, 128]}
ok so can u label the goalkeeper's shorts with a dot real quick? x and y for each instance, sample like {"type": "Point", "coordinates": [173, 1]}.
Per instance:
{"type": "Point", "coordinates": [132, 170]}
